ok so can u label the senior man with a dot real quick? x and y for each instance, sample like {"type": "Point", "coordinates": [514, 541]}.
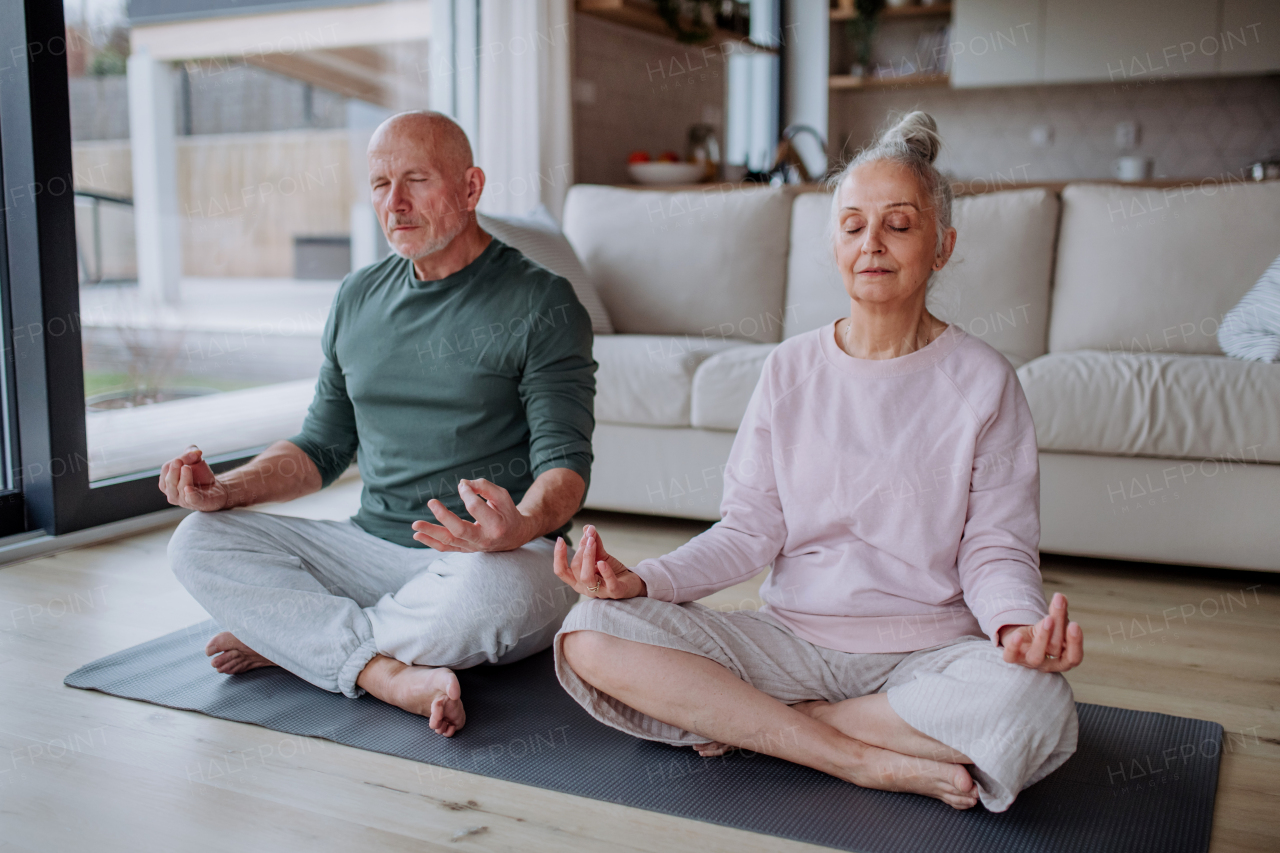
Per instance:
{"type": "Point", "coordinates": [459, 374]}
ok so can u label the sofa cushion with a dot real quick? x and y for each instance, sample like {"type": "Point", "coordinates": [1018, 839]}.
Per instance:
{"type": "Point", "coordinates": [1155, 404]}
{"type": "Point", "coordinates": [995, 287]}
{"type": "Point", "coordinates": [723, 385]}
{"type": "Point", "coordinates": [539, 237]}
{"type": "Point", "coordinates": [648, 379]}
{"type": "Point", "coordinates": [815, 294]}
{"type": "Point", "coordinates": [708, 263]}
{"type": "Point", "coordinates": [1155, 270]}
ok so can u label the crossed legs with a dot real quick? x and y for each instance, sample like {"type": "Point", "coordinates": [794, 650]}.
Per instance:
{"type": "Point", "coordinates": [353, 613]}
{"type": "Point", "coordinates": [699, 695]}
{"type": "Point", "coordinates": [871, 719]}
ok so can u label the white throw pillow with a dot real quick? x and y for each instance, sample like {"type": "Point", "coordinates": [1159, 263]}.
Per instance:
{"type": "Point", "coordinates": [1251, 330]}
{"type": "Point", "coordinates": [540, 238]}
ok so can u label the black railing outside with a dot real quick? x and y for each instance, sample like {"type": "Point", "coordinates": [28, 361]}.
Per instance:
{"type": "Point", "coordinates": [95, 275]}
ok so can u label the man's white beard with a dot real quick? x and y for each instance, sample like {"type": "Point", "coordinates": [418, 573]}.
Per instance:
{"type": "Point", "coordinates": [441, 241]}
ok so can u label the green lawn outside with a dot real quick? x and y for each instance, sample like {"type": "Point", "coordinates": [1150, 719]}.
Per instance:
{"type": "Point", "coordinates": [101, 382]}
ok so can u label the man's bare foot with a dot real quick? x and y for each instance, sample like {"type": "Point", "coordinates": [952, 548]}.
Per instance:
{"type": "Point", "coordinates": [428, 691]}
{"type": "Point", "coordinates": [231, 657]}
{"type": "Point", "coordinates": [892, 771]}
{"type": "Point", "coordinates": [711, 749]}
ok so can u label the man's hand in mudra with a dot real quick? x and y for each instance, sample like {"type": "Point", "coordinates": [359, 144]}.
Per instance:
{"type": "Point", "coordinates": [593, 572]}
{"type": "Point", "coordinates": [499, 525]}
{"type": "Point", "coordinates": [188, 481]}
{"type": "Point", "coordinates": [1051, 645]}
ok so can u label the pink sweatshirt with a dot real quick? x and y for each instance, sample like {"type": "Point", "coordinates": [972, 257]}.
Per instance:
{"type": "Point", "coordinates": [898, 500]}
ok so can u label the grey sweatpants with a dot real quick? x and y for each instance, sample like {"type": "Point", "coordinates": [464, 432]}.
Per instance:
{"type": "Point", "coordinates": [322, 598]}
{"type": "Point", "coordinates": [1018, 725]}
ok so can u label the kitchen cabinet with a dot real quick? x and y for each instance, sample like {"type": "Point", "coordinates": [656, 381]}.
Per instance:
{"type": "Point", "coordinates": [1088, 41]}
{"type": "Point", "coordinates": [1022, 42]}
{"type": "Point", "coordinates": [1250, 36]}
{"type": "Point", "coordinates": [996, 42]}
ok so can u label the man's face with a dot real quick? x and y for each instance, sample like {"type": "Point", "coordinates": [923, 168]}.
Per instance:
{"type": "Point", "coordinates": [419, 192]}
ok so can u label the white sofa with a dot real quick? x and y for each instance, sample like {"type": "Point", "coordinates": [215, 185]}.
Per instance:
{"type": "Point", "coordinates": [1153, 445]}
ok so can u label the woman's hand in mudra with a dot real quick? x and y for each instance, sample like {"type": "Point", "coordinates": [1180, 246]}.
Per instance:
{"type": "Point", "coordinates": [1051, 645]}
{"type": "Point", "coordinates": [593, 572]}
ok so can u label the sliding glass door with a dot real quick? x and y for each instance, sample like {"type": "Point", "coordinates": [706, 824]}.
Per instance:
{"type": "Point", "coordinates": [184, 190]}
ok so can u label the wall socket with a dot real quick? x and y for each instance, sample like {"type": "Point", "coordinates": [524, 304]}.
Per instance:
{"type": "Point", "coordinates": [1128, 134]}
{"type": "Point", "coordinates": [584, 91]}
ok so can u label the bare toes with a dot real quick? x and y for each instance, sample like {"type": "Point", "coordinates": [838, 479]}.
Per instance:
{"type": "Point", "coordinates": [959, 802]}
{"type": "Point", "coordinates": [447, 715]}
{"type": "Point", "coordinates": [236, 661]}
{"type": "Point", "coordinates": [222, 642]}
{"type": "Point", "coordinates": [965, 795]}
{"type": "Point", "coordinates": [963, 782]}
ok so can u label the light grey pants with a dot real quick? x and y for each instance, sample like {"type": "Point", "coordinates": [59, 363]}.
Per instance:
{"type": "Point", "coordinates": [322, 598]}
{"type": "Point", "coordinates": [1018, 725]}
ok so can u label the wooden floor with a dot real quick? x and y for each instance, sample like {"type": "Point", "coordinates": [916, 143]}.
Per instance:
{"type": "Point", "coordinates": [85, 771]}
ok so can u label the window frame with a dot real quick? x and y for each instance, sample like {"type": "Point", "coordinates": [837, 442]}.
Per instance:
{"type": "Point", "coordinates": [12, 505]}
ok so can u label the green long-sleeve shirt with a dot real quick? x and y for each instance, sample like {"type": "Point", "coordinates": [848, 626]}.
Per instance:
{"type": "Point", "coordinates": [487, 373]}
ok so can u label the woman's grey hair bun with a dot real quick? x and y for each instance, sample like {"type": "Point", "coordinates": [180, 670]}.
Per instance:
{"type": "Point", "coordinates": [912, 140]}
{"type": "Point", "coordinates": [915, 133]}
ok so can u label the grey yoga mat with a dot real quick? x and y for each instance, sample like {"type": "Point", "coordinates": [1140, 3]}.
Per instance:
{"type": "Point", "coordinates": [1138, 782]}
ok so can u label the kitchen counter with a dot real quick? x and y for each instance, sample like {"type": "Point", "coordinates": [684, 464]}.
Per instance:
{"type": "Point", "coordinates": [966, 186]}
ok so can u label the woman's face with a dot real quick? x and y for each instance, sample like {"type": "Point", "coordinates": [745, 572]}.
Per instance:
{"type": "Point", "coordinates": [886, 236]}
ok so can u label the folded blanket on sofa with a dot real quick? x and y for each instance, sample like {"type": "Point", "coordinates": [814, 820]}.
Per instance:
{"type": "Point", "coordinates": [1251, 330]}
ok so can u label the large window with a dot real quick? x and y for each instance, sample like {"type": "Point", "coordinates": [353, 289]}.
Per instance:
{"type": "Point", "coordinates": [220, 199]}
{"type": "Point", "coordinates": [185, 187]}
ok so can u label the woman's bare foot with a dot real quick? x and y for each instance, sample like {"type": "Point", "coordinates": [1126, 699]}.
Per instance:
{"type": "Point", "coordinates": [428, 691]}
{"type": "Point", "coordinates": [231, 657]}
{"type": "Point", "coordinates": [892, 771]}
{"type": "Point", "coordinates": [886, 770]}
{"type": "Point", "coordinates": [870, 719]}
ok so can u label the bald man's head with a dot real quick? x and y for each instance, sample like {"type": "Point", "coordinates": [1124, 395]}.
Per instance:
{"type": "Point", "coordinates": [422, 181]}
{"type": "Point", "coordinates": [432, 135]}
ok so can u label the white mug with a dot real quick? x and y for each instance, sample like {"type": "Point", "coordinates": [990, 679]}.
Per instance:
{"type": "Point", "coordinates": [1131, 168]}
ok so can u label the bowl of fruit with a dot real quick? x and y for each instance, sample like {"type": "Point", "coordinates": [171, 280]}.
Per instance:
{"type": "Point", "coordinates": [667, 169]}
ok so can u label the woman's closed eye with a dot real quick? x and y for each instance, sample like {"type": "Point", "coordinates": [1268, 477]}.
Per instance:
{"type": "Point", "coordinates": [899, 229]}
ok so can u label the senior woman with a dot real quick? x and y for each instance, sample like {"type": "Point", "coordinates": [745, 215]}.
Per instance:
{"type": "Point", "coordinates": [887, 468]}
